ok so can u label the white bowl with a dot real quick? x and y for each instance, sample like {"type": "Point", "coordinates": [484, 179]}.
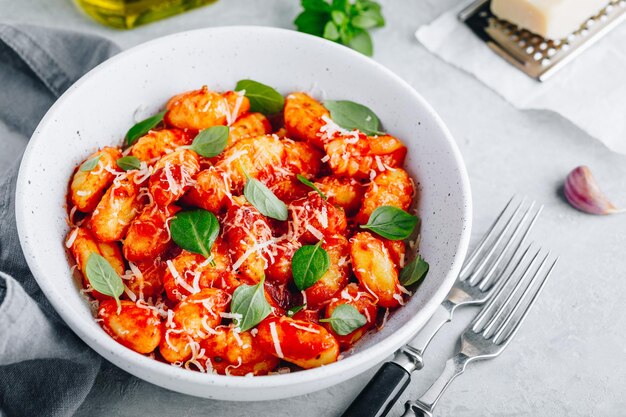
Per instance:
{"type": "Point", "coordinates": [99, 108]}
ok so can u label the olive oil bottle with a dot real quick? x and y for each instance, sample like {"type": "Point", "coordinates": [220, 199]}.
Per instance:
{"type": "Point", "coordinates": [127, 14]}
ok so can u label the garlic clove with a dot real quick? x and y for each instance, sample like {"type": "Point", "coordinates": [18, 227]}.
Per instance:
{"type": "Point", "coordinates": [582, 192]}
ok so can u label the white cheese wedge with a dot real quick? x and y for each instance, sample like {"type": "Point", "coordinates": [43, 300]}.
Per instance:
{"type": "Point", "coordinates": [551, 19]}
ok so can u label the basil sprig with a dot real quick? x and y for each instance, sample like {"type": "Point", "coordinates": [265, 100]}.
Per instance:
{"type": "Point", "coordinates": [414, 271]}
{"type": "Point", "coordinates": [249, 301]}
{"type": "Point", "coordinates": [309, 264]}
{"type": "Point", "coordinates": [263, 98]}
{"type": "Point", "coordinates": [308, 183]}
{"type": "Point", "coordinates": [195, 231]}
{"type": "Point", "coordinates": [351, 115]}
{"type": "Point", "coordinates": [89, 164]}
{"type": "Point", "coordinates": [211, 142]}
{"type": "Point", "coordinates": [342, 21]}
{"type": "Point", "coordinates": [264, 199]}
{"type": "Point", "coordinates": [391, 223]}
{"type": "Point", "coordinates": [345, 319]}
{"type": "Point", "coordinates": [143, 127]}
{"type": "Point", "coordinates": [128, 163]}
{"type": "Point", "coordinates": [293, 310]}
{"type": "Point", "coordinates": [103, 278]}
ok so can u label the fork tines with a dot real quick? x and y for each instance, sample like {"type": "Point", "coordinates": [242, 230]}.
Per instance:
{"type": "Point", "coordinates": [493, 256]}
{"type": "Point", "coordinates": [514, 295]}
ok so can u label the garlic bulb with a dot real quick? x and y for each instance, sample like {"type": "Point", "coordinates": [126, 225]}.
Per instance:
{"type": "Point", "coordinates": [583, 193]}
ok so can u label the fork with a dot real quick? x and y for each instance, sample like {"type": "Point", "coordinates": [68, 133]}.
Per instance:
{"type": "Point", "coordinates": [483, 268]}
{"type": "Point", "coordinates": [493, 328]}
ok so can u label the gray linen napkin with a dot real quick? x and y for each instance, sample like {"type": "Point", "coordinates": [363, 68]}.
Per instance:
{"type": "Point", "coordinates": [45, 370]}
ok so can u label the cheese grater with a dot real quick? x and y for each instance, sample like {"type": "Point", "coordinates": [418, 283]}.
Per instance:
{"type": "Point", "coordinates": [535, 56]}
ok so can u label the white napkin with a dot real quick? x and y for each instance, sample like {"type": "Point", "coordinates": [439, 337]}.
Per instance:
{"type": "Point", "coordinates": [590, 91]}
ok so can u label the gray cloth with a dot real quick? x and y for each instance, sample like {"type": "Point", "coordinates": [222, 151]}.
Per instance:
{"type": "Point", "coordinates": [45, 369]}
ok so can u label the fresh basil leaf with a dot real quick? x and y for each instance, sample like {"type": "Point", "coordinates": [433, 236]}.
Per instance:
{"type": "Point", "coordinates": [343, 5]}
{"type": "Point", "coordinates": [250, 302]}
{"type": "Point", "coordinates": [89, 164]}
{"type": "Point", "coordinates": [316, 5]}
{"type": "Point", "coordinates": [128, 163]}
{"type": "Point", "coordinates": [143, 127]}
{"type": "Point", "coordinates": [351, 115]}
{"type": "Point", "coordinates": [293, 310]}
{"type": "Point", "coordinates": [211, 142]}
{"type": "Point", "coordinates": [391, 223]}
{"type": "Point", "coordinates": [367, 15]}
{"type": "Point", "coordinates": [309, 264]}
{"type": "Point", "coordinates": [338, 17]}
{"type": "Point", "coordinates": [414, 271]}
{"type": "Point", "coordinates": [362, 42]}
{"type": "Point", "coordinates": [263, 99]}
{"type": "Point", "coordinates": [364, 21]}
{"type": "Point", "coordinates": [103, 278]}
{"type": "Point", "coordinates": [311, 22]}
{"type": "Point", "coordinates": [331, 32]}
{"type": "Point", "coordinates": [195, 231]}
{"type": "Point", "coordinates": [264, 200]}
{"type": "Point", "coordinates": [346, 34]}
{"type": "Point", "coordinates": [345, 319]}
{"type": "Point", "coordinates": [308, 183]}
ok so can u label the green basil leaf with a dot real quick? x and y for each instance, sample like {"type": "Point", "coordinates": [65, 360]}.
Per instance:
{"type": "Point", "coordinates": [362, 42]}
{"type": "Point", "coordinates": [331, 32]}
{"type": "Point", "coordinates": [250, 302]}
{"type": "Point", "coordinates": [316, 5]}
{"type": "Point", "coordinates": [308, 183]}
{"type": "Point", "coordinates": [103, 278]}
{"type": "Point", "coordinates": [311, 22]}
{"type": "Point", "coordinates": [391, 223]}
{"type": "Point", "coordinates": [263, 99]}
{"type": "Point", "coordinates": [367, 15]}
{"type": "Point", "coordinates": [414, 271]}
{"type": "Point", "coordinates": [343, 5]}
{"type": "Point", "coordinates": [90, 164]}
{"type": "Point", "coordinates": [128, 163]}
{"type": "Point", "coordinates": [195, 231]}
{"type": "Point", "coordinates": [351, 115]}
{"type": "Point", "coordinates": [211, 142]}
{"type": "Point", "coordinates": [309, 264]}
{"type": "Point", "coordinates": [293, 310]}
{"type": "Point", "coordinates": [143, 127]}
{"type": "Point", "coordinates": [338, 17]}
{"type": "Point", "coordinates": [346, 34]}
{"type": "Point", "coordinates": [345, 319]}
{"type": "Point", "coordinates": [364, 21]}
{"type": "Point", "coordinates": [264, 200]}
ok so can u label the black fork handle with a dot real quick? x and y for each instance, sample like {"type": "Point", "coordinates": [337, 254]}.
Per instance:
{"type": "Point", "coordinates": [381, 393]}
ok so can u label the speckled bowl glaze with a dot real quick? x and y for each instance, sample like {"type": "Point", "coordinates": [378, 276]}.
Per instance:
{"type": "Point", "coordinates": [100, 107]}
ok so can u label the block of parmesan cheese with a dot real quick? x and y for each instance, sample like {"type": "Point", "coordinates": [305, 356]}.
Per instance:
{"type": "Point", "coordinates": [551, 19]}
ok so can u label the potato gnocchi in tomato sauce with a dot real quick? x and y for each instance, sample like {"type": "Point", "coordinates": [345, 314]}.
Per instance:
{"type": "Point", "coordinates": [176, 305]}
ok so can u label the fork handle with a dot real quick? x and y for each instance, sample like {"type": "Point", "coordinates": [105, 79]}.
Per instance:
{"type": "Point", "coordinates": [381, 393]}
{"type": "Point", "coordinates": [383, 390]}
{"type": "Point", "coordinates": [424, 406]}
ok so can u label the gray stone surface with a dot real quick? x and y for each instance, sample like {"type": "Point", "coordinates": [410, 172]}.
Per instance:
{"type": "Point", "coordinates": [568, 359]}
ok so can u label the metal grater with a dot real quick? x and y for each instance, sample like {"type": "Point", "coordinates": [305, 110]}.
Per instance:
{"type": "Point", "coordinates": [538, 57]}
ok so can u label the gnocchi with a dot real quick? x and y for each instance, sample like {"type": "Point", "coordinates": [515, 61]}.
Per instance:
{"type": "Point", "coordinates": [178, 303]}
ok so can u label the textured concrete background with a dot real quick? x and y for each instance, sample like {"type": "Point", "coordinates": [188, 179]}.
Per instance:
{"type": "Point", "coordinates": [568, 359]}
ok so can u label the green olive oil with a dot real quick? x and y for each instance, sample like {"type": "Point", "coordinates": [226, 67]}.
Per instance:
{"type": "Point", "coordinates": [127, 14]}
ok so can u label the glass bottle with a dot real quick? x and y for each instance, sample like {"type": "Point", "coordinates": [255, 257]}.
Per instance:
{"type": "Point", "coordinates": [127, 14]}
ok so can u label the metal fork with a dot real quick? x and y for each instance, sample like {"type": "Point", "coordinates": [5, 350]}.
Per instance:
{"type": "Point", "coordinates": [494, 327]}
{"type": "Point", "coordinates": [483, 268]}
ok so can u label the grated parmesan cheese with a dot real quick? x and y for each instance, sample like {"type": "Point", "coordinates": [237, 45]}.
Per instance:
{"type": "Point", "coordinates": [178, 279]}
{"type": "Point", "coordinates": [71, 238]}
{"type": "Point", "coordinates": [318, 235]}
{"type": "Point", "coordinates": [274, 333]}
{"type": "Point", "coordinates": [306, 329]}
